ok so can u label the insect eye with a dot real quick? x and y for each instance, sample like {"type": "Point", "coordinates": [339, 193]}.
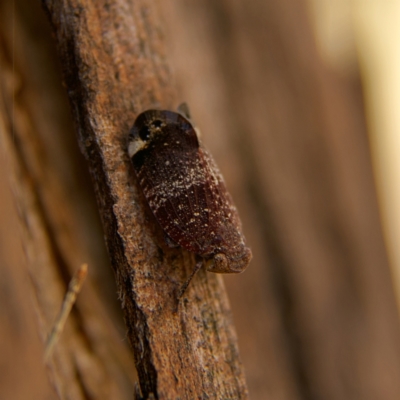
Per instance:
{"type": "Point", "coordinates": [144, 133]}
{"type": "Point", "coordinates": [156, 124]}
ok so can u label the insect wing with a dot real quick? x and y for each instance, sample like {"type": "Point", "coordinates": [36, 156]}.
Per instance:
{"type": "Point", "coordinates": [183, 186]}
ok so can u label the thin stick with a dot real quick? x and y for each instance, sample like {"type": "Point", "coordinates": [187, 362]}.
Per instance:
{"type": "Point", "coordinates": [74, 288]}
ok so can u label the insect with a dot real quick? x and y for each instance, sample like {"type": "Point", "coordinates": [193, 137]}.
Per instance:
{"type": "Point", "coordinates": [186, 192]}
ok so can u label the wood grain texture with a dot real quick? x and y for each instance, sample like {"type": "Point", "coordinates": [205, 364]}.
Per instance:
{"type": "Point", "coordinates": [54, 228]}
{"type": "Point", "coordinates": [113, 58]}
{"type": "Point", "coordinates": [315, 312]}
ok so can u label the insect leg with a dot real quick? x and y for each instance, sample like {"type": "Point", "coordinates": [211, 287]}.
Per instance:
{"type": "Point", "coordinates": [199, 264]}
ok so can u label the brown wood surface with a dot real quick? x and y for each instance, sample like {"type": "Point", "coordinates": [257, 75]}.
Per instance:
{"type": "Point", "coordinates": [113, 59]}
{"type": "Point", "coordinates": [315, 312]}
{"type": "Point", "coordinates": [185, 354]}
{"type": "Point", "coordinates": [53, 228]}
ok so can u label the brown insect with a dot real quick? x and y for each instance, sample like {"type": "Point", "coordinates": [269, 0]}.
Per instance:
{"type": "Point", "coordinates": [186, 191]}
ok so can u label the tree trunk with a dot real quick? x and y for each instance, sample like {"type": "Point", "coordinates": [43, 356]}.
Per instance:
{"type": "Point", "coordinates": [114, 66]}
{"type": "Point", "coordinates": [315, 311]}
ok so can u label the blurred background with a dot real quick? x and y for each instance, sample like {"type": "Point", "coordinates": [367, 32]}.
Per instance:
{"type": "Point", "coordinates": [357, 37]}
{"type": "Point", "coordinates": [298, 102]}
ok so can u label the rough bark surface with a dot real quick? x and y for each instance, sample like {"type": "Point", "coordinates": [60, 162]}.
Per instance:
{"type": "Point", "coordinates": [48, 229]}
{"type": "Point", "coordinates": [113, 59]}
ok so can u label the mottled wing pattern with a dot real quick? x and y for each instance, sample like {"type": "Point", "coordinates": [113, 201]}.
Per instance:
{"type": "Point", "coordinates": [229, 237]}
{"type": "Point", "coordinates": [182, 185]}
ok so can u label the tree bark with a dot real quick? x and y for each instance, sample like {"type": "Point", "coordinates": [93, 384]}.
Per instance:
{"type": "Point", "coordinates": [52, 227]}
{"type": "Point", "coordinates": [113, 58]}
